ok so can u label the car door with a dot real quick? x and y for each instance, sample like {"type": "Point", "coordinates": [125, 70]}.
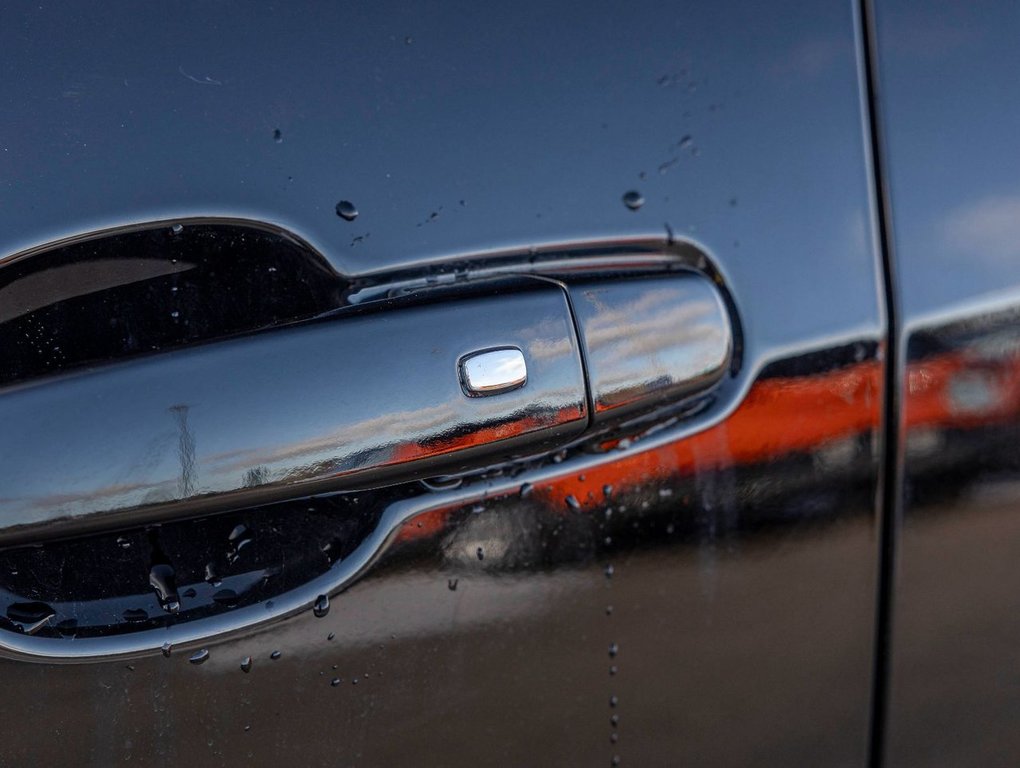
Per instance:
{"type": "Point", "coordinates": [256, 504]}
{"type": "Point", "coordinates": [947, 96]}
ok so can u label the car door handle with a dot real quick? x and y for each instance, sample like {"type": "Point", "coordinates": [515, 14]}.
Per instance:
{"type": "Point", "coordinates": [378, 397]}
{"type": "Point", "coordinates": [437, 382]}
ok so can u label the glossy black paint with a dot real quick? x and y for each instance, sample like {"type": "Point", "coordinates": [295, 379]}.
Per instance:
{"type": "Point", "coordinates": [723, 564]}
{"type": "Point", "coordinates": [948, 92]}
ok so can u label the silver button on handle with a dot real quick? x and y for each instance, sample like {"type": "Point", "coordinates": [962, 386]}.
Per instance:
{"type": "Point", "coordinates": [493, 371]}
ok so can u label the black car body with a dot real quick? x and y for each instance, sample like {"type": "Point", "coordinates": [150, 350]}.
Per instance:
{"type": "Point", "coordinates": [752, 503]}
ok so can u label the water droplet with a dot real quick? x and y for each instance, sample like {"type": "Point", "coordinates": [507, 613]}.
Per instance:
{"type": "Point", "coordinates": [226, 597]}
{"type": "Point", "coordinates": [235, 550]}
{"type": "Point", "coordinates": [345, 210]}
{"type": "Point", "coordinates": [166, 649]}
{"type": "Point", "coordinates": [442, 483]}
{"type": "Point", "coordinates": [670, 528]}
{"type": "Point", "coordinates": [238, 531]}
{"type": "Point", "coordinates": [321, 607]}
{"type": "Point", "coordinates": [175, 314]}
{"type": "Point", "coordinates": [67, 627]}
{"type": "Point", "coordinates": [163, 580]}
{"type": "Point", "coordinates": [451, 585]}
{"type": "Point", "coordinates": [123, 542]}
{"type": "Point", "coordinates": [613, 650]}
{"type": "Point", "coordinates": [331, 636]}
{"type": "Point", "coordinates": [246, 664]}
{"type": "Point", "coordinates": [614, 737]}
{"type": "Point", "coordinates": [633, 200]}
{"type": "Point", "coordinates": [481, 553]}
{"type": "Point", "coordinates": [613, 701]}
{"type": "Point", "coordinates": [135, 614]}
{"type": "Point", "coordinates": [278, 136]}
{"type": "Point", "coordinates": [335, 682]}
{"type": "Point", "coordinates": [210, 575]}
{"type": "Point", "coordinates": [408, 40]}
{"type": "Point", "coordinates": [35, 626]}
{"type": "Point", "coordinates": [614, 720]}
{"type": "Point", "coordinates": [354, 681]}
{"type": "Point", "coordinates": [665, 493]}
{"type": "Point", "coordinates": [607, 490]}
{"type": "Point", "coordinates": [610, 571]}
{"type": "Point", "coordinates": [275, 655]}
{"type": "Point", "coordinates": [30, 617]}
{"type": "Point", "coordinates": [572, 502]}
{"type": "Point", "coordinates": [189, 592]}
{"type": "Point", "coordinates": [615, 761]}
{"type": "Point", "coordinates": [176, 229]}
{"type": "Point", "coordinates": [199, 657]}
{"type": "Point", "coordinates": [247, 728]}
{"type": "Point", "coordinates": [613, 669]}
{"type": "Point", "coordinates": [476, 509]}
{"type": "Point", "coordinates": [685, 141]}
{"type": "Point", "coordinates": [526, 490]}
{"type": "Point", "coordinates": [609, 610]}
{"type": "Point", "coordinates": [608, 540]}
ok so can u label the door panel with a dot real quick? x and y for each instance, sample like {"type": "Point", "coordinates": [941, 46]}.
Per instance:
{"type": "Point", "coordinates": [947, 90]}
{"type": "Point", "coordinates": [694, 586]}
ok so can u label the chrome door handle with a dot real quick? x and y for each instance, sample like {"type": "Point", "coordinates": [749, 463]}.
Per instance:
{"type": "Point", "coordinates": [398, 394]}
{"type": "Point", "coordinates": [354, 402]}
{"type": "Point", "coordinates": [436, 382]}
